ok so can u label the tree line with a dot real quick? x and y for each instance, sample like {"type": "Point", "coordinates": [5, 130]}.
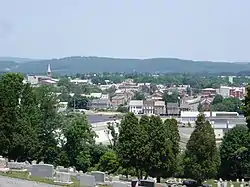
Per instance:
{"type": "Point", "coordinates": [31, 128]}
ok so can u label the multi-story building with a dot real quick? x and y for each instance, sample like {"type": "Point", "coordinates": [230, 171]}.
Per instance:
{"type": "Point", "coordinates": [148, 107]}
{"type": "Point", "coordinates": [227, 91]}
{"type": "Point", "coordinates": [136, 106]}
{"type": "Point", "coordinates": [159, 108]}
{"type": "Point", "coordinates": [208, 92]}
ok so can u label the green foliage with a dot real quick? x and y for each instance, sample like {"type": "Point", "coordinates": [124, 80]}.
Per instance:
{"type": "Point", "coordinates": [109, 162]}
{"type": "Point", "coordinates": [235, 154]}
{"type": "Point", "coordinates": [78, 102]}
{"type": "Point", "coordinates": [201, 156]}
{"type": "Point", "coordinates": [80, 136]}
{"type": "Point", "coordinates": [128, 140]}
{"type": "Point", "coordinates": [171, 126]}
{"type": "Point", "coordinates": [122, 109]}
{"type": "Point", "coordinates": [227, 104]}
{"type": "Point", "coordinates": [16, 135]}
{"type": "Point", "coordinates": [217, 99]}
{"type": "Point", "coordinates": [246, 107]}
{"type": "Point", "coordinates": [161, 154]}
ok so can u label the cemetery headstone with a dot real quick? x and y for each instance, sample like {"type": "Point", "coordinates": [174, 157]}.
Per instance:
{"type": "Point", "coordinates": [237, 180]}
{"type": "Point", "coordinates": [99, 176]}
{"type": "Point", "coordinates": [241, 185]}
{"type": "Point", "coordinates": [146, 183]}
{"type": "Point", "coordinates": [42, 170]}
{"type": "Point", "coordinates": [63, 177]}
{"type": "Point", "coordinates": [225, 184]}
{"type": "Point", "coordinates": [87, 180]}
{"type": "Point", "coordinates": [2, 162]}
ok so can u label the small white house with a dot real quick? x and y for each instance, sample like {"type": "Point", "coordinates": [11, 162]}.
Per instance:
{"type": "Point", "coordinates": [136, 106]}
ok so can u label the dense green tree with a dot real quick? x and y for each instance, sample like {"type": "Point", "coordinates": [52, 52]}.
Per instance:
{"type": "Point", "coordinates": [50, 123]}
{"type": "Point", "coordinates": [144, 147]}
{"type": "Point", "coordinates": [28, 143]}
{"type": "Point", "coordinates": [128, 141]}
{"type": "Point", "coordinates": [80, 137]}
{"type": "Point", "coordinates": [65, 84]}
{"type": "Point", "coordinates": [234, 154]}
{"type": "Point", "coordinates": [229, 105]}
{"type": "Point", "coordinates": [96, 152]}
{"type": "Point", "coordinates": [172, 132]}
{"type": "Point", "coordinates": [78, 102]}
{"type": "Point", "coordinates": [246, 107]}
{"type": "Point", "coordinates": [161, 154]}
{"type": "Point", "coordinates": [109, 162]}
{"type": "Point", "coordinates": [217, 99]}
{"type": "Point", "coordinates": [201, 156]}
{"type": "Point", "coordinates": [18, 116]}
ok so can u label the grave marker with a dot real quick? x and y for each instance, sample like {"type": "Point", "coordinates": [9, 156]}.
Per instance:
{"type": "Point", "coordinates": [87, 180]}
{"type": "Point", "coordinates": [42, 170]}
{"type": "Point", "coordinates": [99, 176]}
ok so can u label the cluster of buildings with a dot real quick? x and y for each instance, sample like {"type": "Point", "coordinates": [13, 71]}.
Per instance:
{"type": "Point", "coordinates": [153, 103]}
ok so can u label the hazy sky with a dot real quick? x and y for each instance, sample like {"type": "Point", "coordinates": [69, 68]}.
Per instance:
{"type": "Point", "coordinates": [189, 29]}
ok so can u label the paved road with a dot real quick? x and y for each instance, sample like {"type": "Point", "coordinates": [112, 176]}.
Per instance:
{"type": "Point", "coordinates": [12, 182]}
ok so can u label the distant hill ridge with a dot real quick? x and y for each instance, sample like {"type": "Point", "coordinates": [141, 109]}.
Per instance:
{"type": "Point", "coordinates": [78, 64]}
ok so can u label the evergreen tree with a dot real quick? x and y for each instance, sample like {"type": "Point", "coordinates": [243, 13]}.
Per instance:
{"type": "Point", "coordinates": [161, 154]}
{"type": "Point", "coordinates": [201, 156]}
{"type": "Point", "coordinates": [234, 153]}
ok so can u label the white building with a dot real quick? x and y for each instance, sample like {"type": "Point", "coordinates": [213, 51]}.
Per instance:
{"type": "Point", "coordinates": [136, 106]}
{"type": "Point", "coordinates": [224, 91]}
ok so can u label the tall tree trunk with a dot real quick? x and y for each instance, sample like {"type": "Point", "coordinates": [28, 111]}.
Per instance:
{"type": "Point", "coordinates": [140, 174]}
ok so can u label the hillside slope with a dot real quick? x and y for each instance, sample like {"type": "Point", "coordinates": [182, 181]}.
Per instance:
{"type": "Point", "coordinates": [72, 65]}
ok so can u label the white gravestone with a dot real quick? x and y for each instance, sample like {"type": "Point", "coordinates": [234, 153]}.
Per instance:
{"type": "Point", "coordinates": [63, 177]}
{"type": "Point", "coordinates": [87, 180]}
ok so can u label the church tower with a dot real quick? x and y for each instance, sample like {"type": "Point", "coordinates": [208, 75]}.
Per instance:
{"type": "Point", "coordinates": [49, 74]}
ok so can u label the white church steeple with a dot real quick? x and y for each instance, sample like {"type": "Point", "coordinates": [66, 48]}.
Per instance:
{"type": "Point", "coordinates": [49, 73]}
